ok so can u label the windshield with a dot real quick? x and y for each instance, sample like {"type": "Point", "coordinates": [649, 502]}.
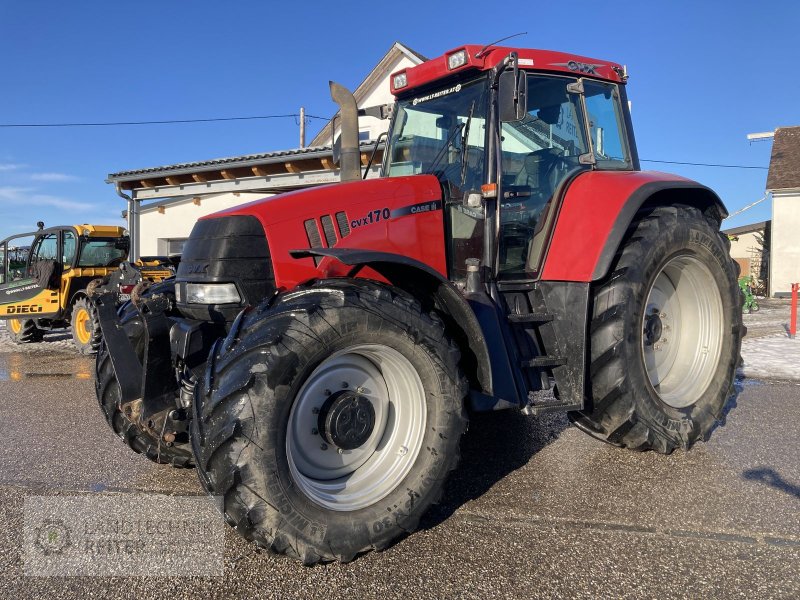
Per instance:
{"type": "Point", "coordinates": [429, 131]}
{"type": "Point", "coordinates": [101, 253]}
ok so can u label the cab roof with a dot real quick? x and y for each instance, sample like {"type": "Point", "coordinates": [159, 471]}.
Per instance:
{"type": "Point", "coordinates": [529, 59]}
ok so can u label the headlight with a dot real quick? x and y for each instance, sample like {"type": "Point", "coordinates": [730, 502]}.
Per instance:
{"type": "Point", "coordinates": [207, 293]}
{"type": "Point", "coordinates": [400, 80]}
{"type": "Point", "coordinates": [457, 59]}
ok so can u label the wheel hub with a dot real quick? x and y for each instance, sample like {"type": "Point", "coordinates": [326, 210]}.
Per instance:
{"type": "Point", "coordinates": [653, 328]}
{"type": "Point", "coordinates": [346, 420]}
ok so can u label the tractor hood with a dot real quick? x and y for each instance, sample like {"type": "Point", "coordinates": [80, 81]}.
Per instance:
{"type": "Point", "coordinates": [337, 197]}
{"type": "Point", "coordinates": [353, 215]}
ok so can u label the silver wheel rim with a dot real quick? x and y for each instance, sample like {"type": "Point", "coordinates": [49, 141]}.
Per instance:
{"type": "Point", "coordinates": [682, 331]}
{"type": "Point", "coordinates": [347, 480]}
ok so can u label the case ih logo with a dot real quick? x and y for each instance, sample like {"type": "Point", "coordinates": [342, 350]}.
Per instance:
{"type": "Point", "coordinates": [579, 67]}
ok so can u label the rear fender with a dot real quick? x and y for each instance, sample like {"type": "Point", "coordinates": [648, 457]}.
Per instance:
{"type": "Point", "coordinates": [599, 207]}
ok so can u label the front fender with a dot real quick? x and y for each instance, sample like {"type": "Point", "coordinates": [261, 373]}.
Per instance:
{"type": "Point", "coordinates": [596, 211]}
{"type": "Point", "coordinates": [423, 282]}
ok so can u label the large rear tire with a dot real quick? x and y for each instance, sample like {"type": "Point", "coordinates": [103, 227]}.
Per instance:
{"type": "Point", "coordinates": [332, 420]}
{"type": "Point", "coordinates": [665, 335]}
{"type": "Point", "coordinates": [23, 331]}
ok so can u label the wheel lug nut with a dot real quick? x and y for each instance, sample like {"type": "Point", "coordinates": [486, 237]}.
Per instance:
{"type": "Point", "coordinates": [328, 392]}
{"type": "Point", "coordinates": [341, 451]}
{"type": "Point", "coordinates": [663, 315]}
{"type": "Point", "coordinates": [402, 451]}
{"type": "Point", "coordinates": [315, 410]}
{"type": "Point", "coordinates": [361, 389]}
{"type": "Point", "coordinates": [345, 384]}
{"type": "Point", "coordinates": [314, 431]}
{"type": "Point", "coordinates": [323, 447]}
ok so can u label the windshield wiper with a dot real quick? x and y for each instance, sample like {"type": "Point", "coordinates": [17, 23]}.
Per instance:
{"type": "Point", "coordinates": [464, 141]}
{"type": "Point", "coordinates": [449, 142]}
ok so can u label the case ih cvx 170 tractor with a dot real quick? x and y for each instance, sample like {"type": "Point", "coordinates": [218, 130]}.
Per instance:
{"type": "Point", "coordinates": [317, 352]}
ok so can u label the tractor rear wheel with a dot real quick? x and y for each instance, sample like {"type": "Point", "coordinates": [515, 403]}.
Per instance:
{"type": "Point", "coordinates": [332, 420]}
{"type": "Point", "coordinates": [137, 438]}
{"type": "Point", "coordinates": [665, 334]}
{"type": "Point", "coordinates": [23, 331]}
{"type": "Point", "coordinates": [86, 332]}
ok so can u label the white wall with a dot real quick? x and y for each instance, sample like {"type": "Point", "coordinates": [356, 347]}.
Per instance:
{"type": "Point", "coordinates": [785, 247]}
{"type": "Point", "coordinates": [744, 246]}
{"type": "Point", "coordinates": [179, 218]}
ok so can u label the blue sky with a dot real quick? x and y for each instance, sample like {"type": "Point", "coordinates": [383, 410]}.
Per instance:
{"type": "Point", "coordinates": [703, 75]}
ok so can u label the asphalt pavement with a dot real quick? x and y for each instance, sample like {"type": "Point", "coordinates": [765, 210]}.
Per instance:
{"type": "Point", "coordinates": [536, 508]}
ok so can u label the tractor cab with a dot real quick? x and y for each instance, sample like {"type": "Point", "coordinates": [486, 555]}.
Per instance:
{"type": "Point", "coordinates": [552, 126]}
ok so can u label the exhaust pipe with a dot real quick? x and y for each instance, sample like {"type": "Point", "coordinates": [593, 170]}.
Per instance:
{"type": "Point", "coordinates": [350, 156]}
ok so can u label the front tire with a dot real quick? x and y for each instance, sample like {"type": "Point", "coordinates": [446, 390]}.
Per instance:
{"type": "Point", "coordinates": [665, 335]}
{"type": "Point", "coordinates": [24, 331]}
{"type": "Point", "coordinates": [332, 420]}
{"type": "Point", "coordinates": [86, 333]}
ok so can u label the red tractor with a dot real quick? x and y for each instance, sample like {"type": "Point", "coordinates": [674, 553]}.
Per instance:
{"type": "Point", "coordinates": [318, 351]}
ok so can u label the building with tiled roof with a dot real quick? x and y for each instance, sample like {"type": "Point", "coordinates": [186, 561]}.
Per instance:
{"type": "Point", "coordinates": [164, 202]}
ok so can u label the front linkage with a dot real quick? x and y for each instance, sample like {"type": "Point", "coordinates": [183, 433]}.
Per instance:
{"type": "Point", "coordinates": [137, 387]}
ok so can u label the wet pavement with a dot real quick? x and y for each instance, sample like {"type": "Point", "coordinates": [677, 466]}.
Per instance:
{"type": "Point", "coordinates": [536, 509]}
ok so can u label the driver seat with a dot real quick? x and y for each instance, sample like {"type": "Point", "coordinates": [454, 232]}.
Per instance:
{"type": "Point", "coordinates": [538, 170]}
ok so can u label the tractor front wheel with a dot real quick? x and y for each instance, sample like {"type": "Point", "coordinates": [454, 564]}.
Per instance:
{"type": "Point", "coordinates": [23, 331]}
{"type": "Point", "coordinates": [665, 335]}
{"type": "Point", "coordinates": [332, 420]}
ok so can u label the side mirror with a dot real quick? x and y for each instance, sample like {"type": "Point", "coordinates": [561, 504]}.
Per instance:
{"type": "Point", "coordinates": [512, 97]}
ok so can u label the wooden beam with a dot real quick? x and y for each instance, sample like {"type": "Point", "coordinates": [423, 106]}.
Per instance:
{"type": "Point", "coordinates": [173, 180]}
{"type": "Point", "coordinates": [227, 174]}
{"type": "Point", "coordinates": [196, 201]}
{"type": "Point", "coordinates": [364, 158]}
{"type": "Point", "coordinates": [291, 167]}
{"type": "Point", "coordinates": [259, 171]}
{"type": "Point", "coordinates": [161, 210]}
{"type": "Point", "coordinates": [327, 163]}
{"type": "Point", "coordinates": [199, 177]}
{"type": "Point", "coordinates": [148, 183]}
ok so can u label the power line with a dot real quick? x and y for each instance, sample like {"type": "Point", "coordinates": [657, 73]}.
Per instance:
{"type": "Point", "coordinates": [297, 116]}
{"type": "Point", "coordinates": [164, 122]}
{"type": "Point", "coordinates": [748, 207]}
{"type": "Point", "coordinates": [694, 164]}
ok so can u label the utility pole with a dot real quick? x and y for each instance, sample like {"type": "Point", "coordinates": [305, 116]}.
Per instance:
{"type": "Point", "coordinates": [302, 127]}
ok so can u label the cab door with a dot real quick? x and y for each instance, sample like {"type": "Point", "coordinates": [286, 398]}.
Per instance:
{"type": "Point", "coordinates": [32, 289]}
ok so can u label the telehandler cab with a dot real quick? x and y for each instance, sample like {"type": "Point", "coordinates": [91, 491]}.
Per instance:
{"type": "Point", "coordinates": [317, 351]}
{"type": "Point", "coordinates": [44, 276]}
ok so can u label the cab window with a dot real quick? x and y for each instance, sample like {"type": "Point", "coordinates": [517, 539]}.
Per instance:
{"type": "Point", "coordinates": [2, 263]}
{"type": "Point", "coordinates": [605, 125]}
{"type": "Point", "coordinates": [45, 248]}
{"type": "Point", "coordinates": [538, 153]}
{"type": "Point", "coordinates": [68, 251]}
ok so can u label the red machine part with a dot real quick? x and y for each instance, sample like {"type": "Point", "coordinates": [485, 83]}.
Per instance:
{"type": "Point", "coordinates": [529, 59]}
{"type": "Point", "coordinates": [793, 317]}
{"type": "Point", "coordinates": [414, 227]}
{"type": "Point", "coordinates": [587, 216]}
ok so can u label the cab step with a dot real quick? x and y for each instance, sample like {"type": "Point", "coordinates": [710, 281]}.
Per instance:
{"type": "Point", "coordinates": [543, 361]}
{"type": "Point", "coordinates": [530, 318]}
{"type": "Point", "coordinates": [543, 402]}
